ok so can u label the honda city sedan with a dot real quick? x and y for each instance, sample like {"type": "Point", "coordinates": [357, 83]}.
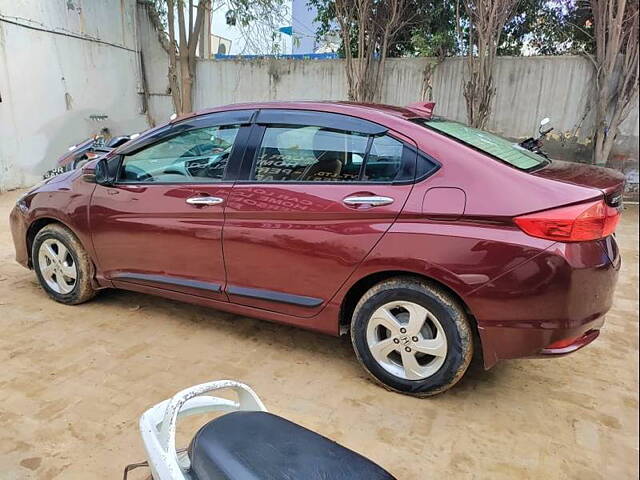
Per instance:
{"type": "Point", "coordinates": [414, 234]}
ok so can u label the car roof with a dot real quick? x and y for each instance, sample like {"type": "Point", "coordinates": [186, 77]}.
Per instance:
{"type": "Point", "coordinates": [370, 111]}
{"type": "Point", "coordinates": [392, 117]}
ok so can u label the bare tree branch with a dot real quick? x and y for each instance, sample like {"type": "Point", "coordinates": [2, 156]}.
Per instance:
{"type": "Point", "coordinates": [616, 69]}
{"type": "Point", "coordinates": [176, 93]}
{"type": "Point", "coordinates": [373, 26]}
{"type": "Point", "coordinates": [488, 18]}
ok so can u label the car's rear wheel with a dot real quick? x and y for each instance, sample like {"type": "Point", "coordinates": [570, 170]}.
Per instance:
{"type": "Point", "coordinates": [412, 336]}
{"type": "Point", "coordinates": [62, 265]}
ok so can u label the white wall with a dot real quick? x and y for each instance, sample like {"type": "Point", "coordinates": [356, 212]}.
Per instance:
{"type": "Point", "coordinates": [528, 89]}
{"type": "Point", "coordinates": [156, 65]}
{"type": "Point", "coordinates": [220, 82]}
{"type": "Point", "coordinates": [51, 85]}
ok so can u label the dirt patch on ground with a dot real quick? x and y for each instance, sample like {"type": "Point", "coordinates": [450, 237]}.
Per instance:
{"type": "Point", "coordinates": [75, 379]}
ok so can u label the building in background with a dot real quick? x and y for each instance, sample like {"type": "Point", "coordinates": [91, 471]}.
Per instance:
{"type": "Point", "coordinates": [304, 26]}
{"type": "Point", "coordinates": [219, 45]}
{"type": "Point", "coordinates": [289, 31]}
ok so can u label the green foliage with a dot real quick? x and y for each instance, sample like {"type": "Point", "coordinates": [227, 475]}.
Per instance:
{"type": "Point", "coordinates": [438, 44]}
{"type": "Point", "coordinates": [430, 31]}
{"type": "Point", "coordinates": [538, 27]}
{"type": "Point", "coordinates": [548, 27]}
{"type": "Point", "coordinates": [326, 19]}
{"type": "Point", "coordinates": [243, 12]}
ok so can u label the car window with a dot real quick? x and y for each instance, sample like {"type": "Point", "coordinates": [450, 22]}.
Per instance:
{"type": "Point", "coordinates": [195, 156]}
{"type": "Point", "coordinates": [384, 161]}
{"type": "Point", "coordinates": [496, 146]}
{"type": "Point", "coordinates": [309, 154]}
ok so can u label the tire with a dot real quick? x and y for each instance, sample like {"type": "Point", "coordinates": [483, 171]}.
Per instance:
{"type": "Point", "coordinates": [55, 268]}
{"type": "Point", "coordinates": [445, 332]}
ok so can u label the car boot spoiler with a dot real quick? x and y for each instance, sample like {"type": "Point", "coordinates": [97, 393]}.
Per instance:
{"type": "Point", "coordinates": [423, 109]}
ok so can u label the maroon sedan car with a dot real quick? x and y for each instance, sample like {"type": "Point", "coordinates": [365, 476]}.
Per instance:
{"type": "Point", "coordinates": [414, 234]}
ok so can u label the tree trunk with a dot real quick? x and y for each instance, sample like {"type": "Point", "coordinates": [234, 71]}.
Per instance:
{"type": "Point", "coordinates": [616, 70]}
{"type": "Point", "coordinates": [186, 80]}
{"type": "Point", "coordinates": [174, 84]}
{"type": "Point", "coordinates": [426, 92]}
{"type": "Point", "coordinates": [487, 18]}
{"type": "Point", "coordinates": [181, 50]}
{"type": "Point", "coordinates": [601, 132]}
{"type": "Point", "coordinates": [167, 41]}
{"type": "Point", "coordinates": [377, 25]}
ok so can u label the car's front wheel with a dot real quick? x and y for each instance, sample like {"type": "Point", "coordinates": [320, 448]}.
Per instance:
{"type": "Point", "coordinates": [62, 265]}
{"type": "Point", "coordinates": [412, 336]}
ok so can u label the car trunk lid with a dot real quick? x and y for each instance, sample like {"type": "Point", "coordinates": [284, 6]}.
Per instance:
{"type": "Point", "coordinates": [608, 181]}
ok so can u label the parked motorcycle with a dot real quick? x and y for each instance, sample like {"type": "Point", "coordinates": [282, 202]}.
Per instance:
{"type": "Point", "coordinates": [246, 443]}
{"type": "Point", "coordinates": [89, 149]}
{"type": "Point", "coordinates": [535, 144]}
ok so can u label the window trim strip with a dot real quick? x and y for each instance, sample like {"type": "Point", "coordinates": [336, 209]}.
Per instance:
{"type": "Point", "coordinates": [251, 153]}
{"type": "Point", "coordinates": [216, 119]}
{"type": "Point", "coordinates": [233, 155]}
{"type": "Point", "coordinates": [338, 121]}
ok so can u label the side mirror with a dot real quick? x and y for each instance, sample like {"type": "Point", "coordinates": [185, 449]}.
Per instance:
{"type": "Point", "coordinates": [97, 172]}
{"type": "Point", "coordinates": [543, 131]}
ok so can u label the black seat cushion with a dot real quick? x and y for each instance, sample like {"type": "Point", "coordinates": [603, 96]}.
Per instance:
{"type": "Point", "coordinates": [259, 445]}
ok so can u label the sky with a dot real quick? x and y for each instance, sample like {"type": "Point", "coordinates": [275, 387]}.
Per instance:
{"type": "Point", "coordinates": [258, 39]}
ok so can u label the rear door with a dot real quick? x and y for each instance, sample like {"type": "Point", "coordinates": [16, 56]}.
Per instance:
{"type": "Point", "coordinates": [315, 194]}
{"type": "Point", "coordinates": [160, 224]}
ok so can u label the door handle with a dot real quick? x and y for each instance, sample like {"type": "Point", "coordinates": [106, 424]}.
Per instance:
{"type": "Point", "coordinates": [204, 201]}
{"type": "Point", "coordinates": [373, 200]}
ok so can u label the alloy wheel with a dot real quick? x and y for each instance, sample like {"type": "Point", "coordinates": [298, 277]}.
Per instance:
{"type": "Point", "coordinates": [407, 340]}
{"type": "Point", "coordinates": [57, 266]}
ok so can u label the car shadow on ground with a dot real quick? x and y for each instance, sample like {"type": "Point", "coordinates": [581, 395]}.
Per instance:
{"type": "Point", "coordinates": [280, 337]}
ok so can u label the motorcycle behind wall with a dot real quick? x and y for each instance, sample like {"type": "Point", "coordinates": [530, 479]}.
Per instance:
{"type": "Point", "coordinates": [535, 144]}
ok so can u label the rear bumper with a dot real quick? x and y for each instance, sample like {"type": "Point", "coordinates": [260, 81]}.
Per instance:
{"type": "Point", "coordinates": [560, 295]}
{"type": "Point", "coordinates": [500, 343]}
{"type": "Point", "coordinates": [575, 344]}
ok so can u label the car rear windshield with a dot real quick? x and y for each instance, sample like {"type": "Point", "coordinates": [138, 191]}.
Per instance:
{"type": "Point", "coordinates": [498, 147]}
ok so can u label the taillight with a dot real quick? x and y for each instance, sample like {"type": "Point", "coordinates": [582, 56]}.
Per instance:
{"type": "Point", "coordinates": [577, 223]}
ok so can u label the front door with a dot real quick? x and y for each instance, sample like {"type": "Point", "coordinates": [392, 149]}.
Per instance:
{"type": "Point", "coordinates": [314, 202]}
{"type": "Point", "coordinates": [160, 225]}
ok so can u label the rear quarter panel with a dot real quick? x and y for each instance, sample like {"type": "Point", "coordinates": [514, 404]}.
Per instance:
{"type": "Point", "coordinates": [465, 251]}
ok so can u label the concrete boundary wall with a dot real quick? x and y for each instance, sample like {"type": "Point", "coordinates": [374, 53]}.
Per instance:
{"type": "Point", "coordinates": [58, 89]}
{"type": "Point", "coordinates": [527, 90]}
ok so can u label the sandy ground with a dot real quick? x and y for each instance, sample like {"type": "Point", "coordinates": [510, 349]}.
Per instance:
{"type": "Point", "coordinates": [75, 379]}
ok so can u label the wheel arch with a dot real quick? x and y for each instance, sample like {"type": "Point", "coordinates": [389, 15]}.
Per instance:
{"type": "Point", "coordinates": [37, 225]}
{"type": "Point", "coordinates": [360, 287]}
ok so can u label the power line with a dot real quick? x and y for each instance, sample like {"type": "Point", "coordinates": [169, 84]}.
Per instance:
{"type": "Point", "coordinates": [301, 25]}
{"type": "Point", "coordinates": [86, 38]}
